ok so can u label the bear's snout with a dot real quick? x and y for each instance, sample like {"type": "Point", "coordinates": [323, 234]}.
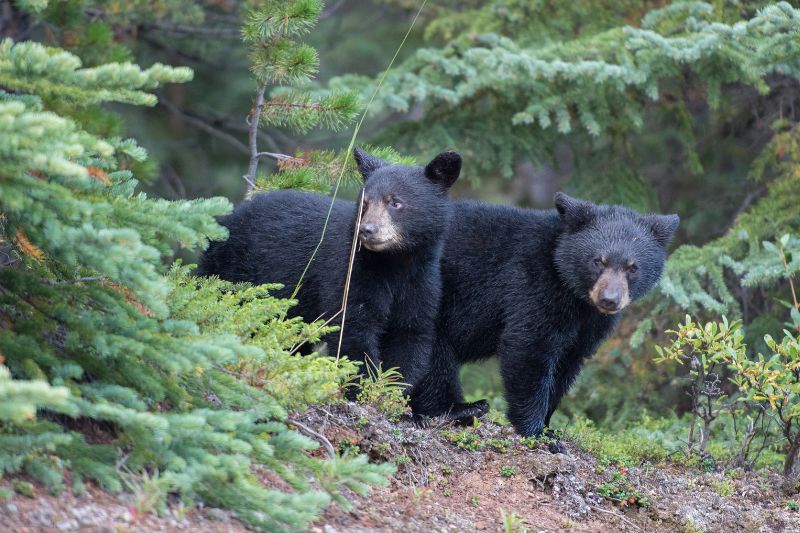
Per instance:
{"type": "Point", "coordinates": [610, 292]}
{"type": "Point", "coordinates": [377, 231]}
{"type": "Point", "coordinates": [367, 230]}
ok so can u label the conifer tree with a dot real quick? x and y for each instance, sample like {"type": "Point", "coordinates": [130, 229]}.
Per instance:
{"type": "Point", "coordinates": [109, 364]}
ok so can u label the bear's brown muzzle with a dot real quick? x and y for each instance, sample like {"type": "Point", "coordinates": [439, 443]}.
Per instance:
{"type": "Point", "coordinates": [610, 292]}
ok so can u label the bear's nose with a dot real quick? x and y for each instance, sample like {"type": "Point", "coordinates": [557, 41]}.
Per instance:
{"type": "Point", "coordinates": [367, 229]}
{"type": "Point", "coordinates": [609, 300]}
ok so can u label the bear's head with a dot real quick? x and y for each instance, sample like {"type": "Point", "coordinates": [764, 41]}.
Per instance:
{"type": "Point", "coordinates": [405, 207]}
{"type": "Point", "coordinates": [610, 255]}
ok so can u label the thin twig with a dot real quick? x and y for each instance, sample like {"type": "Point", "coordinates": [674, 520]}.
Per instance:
{"type": "Point", "coordinates": [319, 436]}
{"type": "Point", "coordinates": [596, 508]}
{"type": "Point", "coordinates": [331, 319]}
{"type": "Point", "coordinates": [254, 118]}
{"type": "Point", "coordinates": [280, 157]}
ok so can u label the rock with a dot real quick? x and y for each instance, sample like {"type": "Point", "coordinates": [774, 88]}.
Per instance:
{"type": "Point", "coordinates": [327, 528]}
{"type": "Point", "coordinates": [68, 525]}
{"type": "Point", "coordinates": [11, 508]}
{"type": "Point", "coordinates": [218, 514]}
{"type": "Point", "coordinates": [545, 467]}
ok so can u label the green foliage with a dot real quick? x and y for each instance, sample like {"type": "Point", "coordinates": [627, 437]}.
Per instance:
{"type": "Point", "coordinates": [276, 58]}
{"type": "Point", "coordinates": [769, 385]}
{"type": "Point", "coordinates": [110, 368]}
{"type": "Point", "coordinates": [705, 349]}
{"type": "Point", "coordinates": [620, 491]}
{"type": "Point", "coordinates": [319, 170]}
{"type": "Point", "coordinates": [773, 381]}
{"type": "Point", "coordinates": [696, 277]}
{"type": "Point", "coordinates": [468, 439]}
{"type": "Point", "coordinates": [383, 389]}
{"type": "Point", "coordinates": [512, 522]}
{"type": "Point", "coordinates": [24, 488]}
{"type": "Point", "coordinates": [508, 471]}
{"type": "Point", "coordinates": [631, 446]}
{"type": "Point", "coordinates": [253, 315]}
{"type": "Point", "coordinates": [723, 487]}
{"type": "Point", "coordinates": [51, 73]}
{"type": "Point", "coordinates": [527, 87]}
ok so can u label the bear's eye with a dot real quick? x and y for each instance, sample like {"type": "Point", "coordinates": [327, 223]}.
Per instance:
{"type": "Point", "coordinates": [394, 203]}
{"type": "Point", "coordinates": [632, 268]}
{"type": "Point", "coordinates": [599, 262]}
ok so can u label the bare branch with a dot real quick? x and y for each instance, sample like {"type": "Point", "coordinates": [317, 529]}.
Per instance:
{"type": "Point", "coordinates": [319, 436]}
{"type": "Point", "coordinates": [254, 117]}
{"type": "Point", "coordinates": [279, 157]}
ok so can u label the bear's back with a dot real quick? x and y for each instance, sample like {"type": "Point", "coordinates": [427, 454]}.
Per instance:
{"type": "Point", "coordinates": [273, 236]}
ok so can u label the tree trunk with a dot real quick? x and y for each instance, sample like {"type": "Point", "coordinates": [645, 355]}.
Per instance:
{"type": "Point", "coordinates": [791, 466]}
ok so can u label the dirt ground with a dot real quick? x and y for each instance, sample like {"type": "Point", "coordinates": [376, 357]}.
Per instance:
{"type": "Point", "coordinates": [494, 482]}
{"type": "Point", "coordinates": [445, 488]}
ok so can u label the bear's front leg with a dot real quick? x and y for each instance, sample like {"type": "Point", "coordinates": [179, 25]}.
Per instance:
{"type": "Point", "coordinates": [528, 380]}
{"type": "Point", "coordinates": [439, 391]}
{"type": "Point", "coordinates": [568, 368]}
{"type": "Point", "coordinates": [408, 349]}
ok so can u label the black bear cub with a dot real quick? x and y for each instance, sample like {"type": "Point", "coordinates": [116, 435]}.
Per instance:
{"type": "Point", "coordinates": [395, 285]}
{"type": "Point", "coordinates": [539, 289]}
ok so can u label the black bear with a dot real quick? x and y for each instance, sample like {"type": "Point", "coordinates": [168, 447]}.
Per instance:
{"type": "Point", "coordinates": [395, 284]}
{"type": "Point", "coordinates": [539, 289]}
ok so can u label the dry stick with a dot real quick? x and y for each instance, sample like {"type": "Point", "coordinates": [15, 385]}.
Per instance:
{"type": "Point", "coordinates": [341, 176]}
{"type": "Point", "coordinates": [319, 436]}
{"type": "Point", "coordinates": [349, 274]}
{"type": "Point", "coordinates": [255, 117]}
{"type": "Point", "coordinates": [596, 508]}
{"type": "Point", "coordinates": [279, 157]}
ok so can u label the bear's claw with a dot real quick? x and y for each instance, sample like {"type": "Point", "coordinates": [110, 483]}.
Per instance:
{"type": "Point", "coordinates": [464, 413]}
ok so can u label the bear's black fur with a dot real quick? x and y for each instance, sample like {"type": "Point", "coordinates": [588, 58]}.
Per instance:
{"type": "Point", "coordinates": [395, 285]}
{"type": "Point", "coordinates": [539, 289]}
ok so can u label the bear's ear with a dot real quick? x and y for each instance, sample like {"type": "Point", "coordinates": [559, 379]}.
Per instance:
{"type": "Point", "coordinates": [574, 212]}
{"type": "Point", "coordinates": [663, 227]}
{"type": "Point", "coordinates": [367, 163]}
{"type": "Point", "coordinates": [444, 168]}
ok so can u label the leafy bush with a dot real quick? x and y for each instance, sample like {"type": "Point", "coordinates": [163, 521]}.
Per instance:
{"type": "Point", "coordinates": [383, 389]}
{"type": "Point", "coordinates": [706, 350]}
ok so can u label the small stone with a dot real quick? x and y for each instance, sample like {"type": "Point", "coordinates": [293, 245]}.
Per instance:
{"type": "Point", "coordinates": [67, 525]}
{"type": "Point", "coordinates": [126, 516]}
{"type": "Point", "coordinates": [217, 514]}
{"type": "Point", "coordinates": [327, 528]}
{"type": "Point", "coordinates": [11, 508]}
